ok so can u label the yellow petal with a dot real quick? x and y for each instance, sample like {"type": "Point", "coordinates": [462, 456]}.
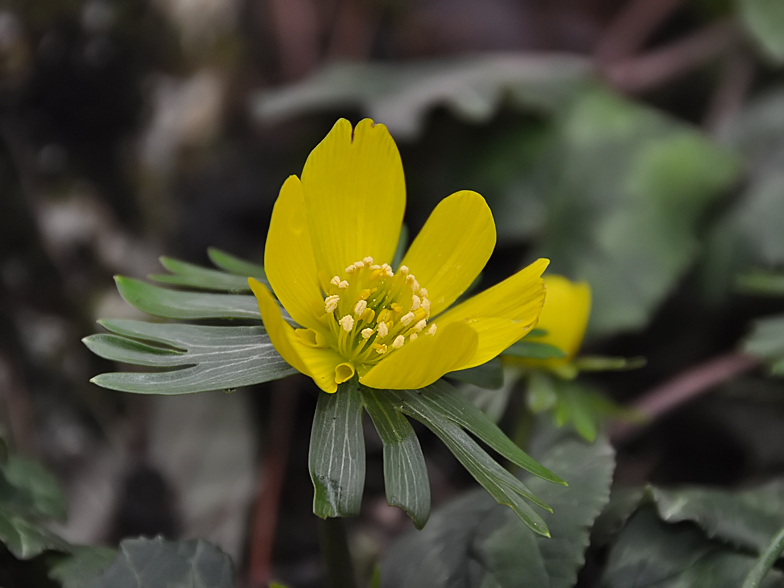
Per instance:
{"type": "Point", "coordinates": [355, 196]}
{"type": "Point", "coordinates": [565, 315]}
{"type": "Point", "coordinates": [420, 363]}
{"type": "Point", "coordinates": [503, 314]}
{"type": "Point", "coordinates": [288, 256]}
{"type": "Point", "coordinates": [318, 363]}
{"type": "Point", "coordinates": [452, 248]}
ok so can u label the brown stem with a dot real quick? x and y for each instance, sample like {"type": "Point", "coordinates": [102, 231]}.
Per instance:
{"type": "Point", "coordinates": [629, 31]}
{"type": "Point", "coordinates": [639, 74]}
{"type": "Point", "coordinates": [684, 387]}
{"type": "Point", "coordinates": [271, 476]}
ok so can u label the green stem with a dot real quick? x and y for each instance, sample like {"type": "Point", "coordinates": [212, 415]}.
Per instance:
{"type": "Point", "coordinates": [334, 550]}
{"type": "Point", "coordinates": [765, 561]}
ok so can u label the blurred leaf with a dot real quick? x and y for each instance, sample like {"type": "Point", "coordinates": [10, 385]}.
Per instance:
{"type": "Point", "coordinates": [541, 394]}
{"type": "Point", "coordinates": [492, 402]}
{"type": "Point", "coordinates": [473, 543]}
{"type": "Point", "coordinates": [765, 562]}
{"type": "Point", "coordinates": [194, 276]}
{"type": "Point", "coordinates": [27, 489]}
{"type": "Point", "coordinates": [401, 94]}
{"type": "Point", "coordinates": [533, 350]}
{"type": "Point", "coordinates": [177, 304]}
{"type": "Point", "coordinates": [651, 553]}
{"type": "Point", "coordinates": [766, 341]}
{"type": "Point", "coordinates": [26, 539]}
{"type": "Point", "coordinates": [625, 191]}
{"type": "Point", "coordinates": [405, 473]}
{"type": "Point", "coordinates": [82, 566]}
{"type": "Point", "coordinates": [599, 363]}
{"type": "Point", "coordinates": [235, 265]}
{"type": "Point", "coordinates": [748, 519]}
{"type": "Point", "coordinates": [761, 283]}
{"type": "Point", "coordinates": [337, 452]}
{"type": "Point", "coordinates": [210, 358]}
{"type": "Point", "coordinates": [764, 19]}
{"type": "Point", "coordinates": [488, 375]}
{"type": "Point", "coordinates": [622, 505]}
{"type": "Point", "coordinates": [157, 563]}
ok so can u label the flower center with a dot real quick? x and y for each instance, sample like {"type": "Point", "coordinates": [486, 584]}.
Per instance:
{"type": "Point", "coordinates": [372, 311]}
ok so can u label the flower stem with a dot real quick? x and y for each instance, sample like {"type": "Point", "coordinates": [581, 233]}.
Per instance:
{"type": "Point", "coordinates": [334, 550]}
{"type": "Point", "coordinates": [765, 561]}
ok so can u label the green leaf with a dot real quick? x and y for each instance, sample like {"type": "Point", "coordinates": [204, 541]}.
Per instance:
{"type": "Point", "coordinates": [654, 554]}
{"type": "Point", "coordinates": [177, 304]}
{"type": "Point", "coordinates": [541, 392]}
{"type": "Point", "coordinates": [27, 489]}
{"type": "Point", "coordinates": [194, 276]}
{"type": "Point", "coordinates": [235, 265]}
{"type": "Point", "coordinates": [26, 539]}
{"type": "Point", "coordinates": [764, 19]}
{"type": "Point", "coordinates": [599, 363]}
{"type": "Point", "coordinates": [82, 566]}
{"type": "Point", "coordinates": [622, 505]}
{"type": "Point", "coordinates": [533, 350]}
{"type": "Point", "coordinates": [442, 399]}
{"type": "Point", "coordinates": [405, 473]}
{"type": "Point", "coordinates": [401, 94]}
{"type": "Point", "coordinates": [474, 543]}
{"type": "Point", "coordinates": [761, 283]}
{"type": "Point", "coordinates": [337, 452]}
{"type": "Point", "coordinates": [766, 340]}
{"type": "Point", "coordinates": [209, 358]}
{"type": "Point", "coordinates": [488, 375]}
{"type": "Point", "coordinates": [625, 188]}
{"type": "Point", "coordinates": [157, 563]}
{"type": "Point", "coordinates": [749, 519]}
{"type": "Point", "coordinates": [765, 562]}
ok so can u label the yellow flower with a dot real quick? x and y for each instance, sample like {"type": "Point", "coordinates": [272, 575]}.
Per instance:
{"type": "Point", "coordinates": [331, 239]}
{"type": "Point", "coordinates": [564, 317]}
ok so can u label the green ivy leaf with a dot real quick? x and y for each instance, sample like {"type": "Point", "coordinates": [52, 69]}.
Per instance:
{"type": "Point", "coordinates": [764, 19]}
{"type": "Point", "coordinates": [157, 563]}
{"type": "Point", "coordinates": [651, 553]}
{"type": "Point", "coordinates": [748, 519]}
{"type": "Point", "coordinates": [81, 567]}
{"type": "Point", "coordinates": [26, 539]}
{"type": "Point", "coordinates": [337, 452]}
{"type": "Point", "coordinates": [474, 540]}
{"type": "Point", "coordinates": [405, 473]}
{"type": "Point", "coordinates": [27, 489]}
{"type": "Point", "coordinates": [208, 358]}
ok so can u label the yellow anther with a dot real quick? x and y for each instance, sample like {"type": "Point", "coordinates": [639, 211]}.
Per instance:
{"type": "Point", "coordinates": [375, 267]}
{"type": "Point", "coordinates": [396, 307]}
{"type": "Point", "coordinates": [368, 315]}
{"type": "Point", "coordinates": [389, 272]}
{"type": "Point", "coordinates": [403, 269]}
{"type": "Point", "coordinates": [366, 333]}
{"type": "Point", "coordinates": [407, 318]}
{"type": "Point", "coordinates": [416, 302]}
{"type": "Point", "coordinates": [365, 294]}
{"type": "Point", "coordinates": [380, 348]}
{"type": "Point", "coordinates": [360, 307]}
{"type": "Point", "coordinates": [398, 342]}
{"type": "Point", "coordinates": [359, 264]}
{"type": "Point", "coordinates": [383, 315]}
{"type": "Point", "coordinates": [375, 273]}
{"type": "Point", "coordinates": [350, 269]}
{"type": "Point", "coordinates": [343, 285]}
{"type": "Point", "coordinates": [431, 330]}
{"type": "Point", "coordinates": [412, 281]}
{"type": "Point", "coordinates": [420, 314]}
{"type": "Point", "coordinates": [368, 260]}
{"type": "Point", "coordinates": [419, 326]}
{"type": "Point", "coordinates": [413, 337]}
{"type": "Point", "coordinates": [426, 304]}
{"type": "Point", "coordinates": [423, 292]}
{"type": "Point", "coordinates": [335, 281]}
{"type": "Point", "coordinates": [383, 330]}
{"type": "Point", "coordinates": [347, 322]}
{"type": "Point", "coordinates": [331, 303]}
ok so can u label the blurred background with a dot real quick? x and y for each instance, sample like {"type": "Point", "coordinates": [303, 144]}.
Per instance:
{"type": "Point", "coordinates": [639, 144]}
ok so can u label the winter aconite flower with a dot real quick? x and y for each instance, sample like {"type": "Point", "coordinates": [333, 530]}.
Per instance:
{"type": "Point", "coordinates": [331, 240]}
{"type": "Point", "coordinates": [564, 318]}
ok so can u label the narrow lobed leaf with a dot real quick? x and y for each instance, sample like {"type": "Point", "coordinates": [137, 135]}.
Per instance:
{"type": "Point", "coordinates": [195, 276]}
{"type": "Point", "coordinates": [235, 265]}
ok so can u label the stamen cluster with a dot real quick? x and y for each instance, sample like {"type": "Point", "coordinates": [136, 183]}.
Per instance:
{"type": "Point", "coordinates": [373, 311]}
